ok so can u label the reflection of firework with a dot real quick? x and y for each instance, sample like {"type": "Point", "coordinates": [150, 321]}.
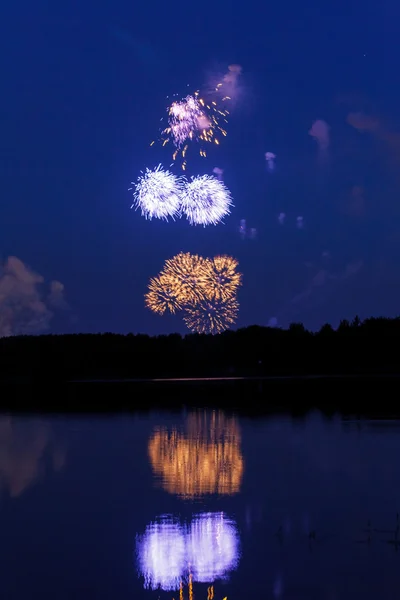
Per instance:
{"type": "Point", "coordinates": [157, 194]}
{"type": "Point", "coordinates": [222, 280]}
{"type": "Point", "coordinates": [211, 316]}
{"type": "Point", "coordinates": [213, 544]}
{"type": "Point", "coordinates": [205, 200]}
{"type": "Point", "coordinates": [207, 459]}
{"type": "Point", "coordinates": [187, 273]}
{"type": "Point", "coordinates": [169, 554]}
{"type": "Point", "coordinates": [162, 295]}
{"type": "Point", "coordinates": [161, 555]}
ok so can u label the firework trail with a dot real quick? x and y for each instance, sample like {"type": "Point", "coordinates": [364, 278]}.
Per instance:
{"type": "Point", "coordinates": [205, 200]}
{"type": "Point", "coordinates": [199, 117]}
{"type": "Point", "coordinates": [157, 194]}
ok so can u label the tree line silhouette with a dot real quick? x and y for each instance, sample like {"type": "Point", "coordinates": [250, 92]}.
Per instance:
{"type": "Point", "coordinates": [354, 348]}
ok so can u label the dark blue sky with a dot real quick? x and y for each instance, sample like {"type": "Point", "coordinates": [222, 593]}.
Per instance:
{"type": "Point", "coordinates": [83, 88]}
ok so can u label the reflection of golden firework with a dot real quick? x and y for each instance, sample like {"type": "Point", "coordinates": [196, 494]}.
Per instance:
{"type": "Point", "coordinates": [162, 295]}
{"type": "Point", "coordinates": [187, 273]}
{"type": "Point", "coordinates": [211, 316]}
{"type": "Point", "coordinates": [205, 460]}
{"type": "Point", "coordinates": [210, 591]}
{"type": "Point", "coordinates": [222, 279]}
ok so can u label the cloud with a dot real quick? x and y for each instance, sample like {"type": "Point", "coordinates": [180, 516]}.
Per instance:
{"type": "Point", "coordinates": [24, 309]}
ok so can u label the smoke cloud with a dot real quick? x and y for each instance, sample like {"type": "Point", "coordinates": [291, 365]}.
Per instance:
{"type": "Point", "coordinates": [363, 122]}
{"type": "Point", "coordinates": [225, 88]}
{"type": "Point", "coordinates": [374, 126]}
{"type": "Point", "coordinates": [24, 306]}
{"type": "Point", "coordinates": [320, 131]}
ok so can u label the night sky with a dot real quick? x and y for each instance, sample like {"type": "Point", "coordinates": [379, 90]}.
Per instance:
{"type": "Point", "coordinates": [84, 86]}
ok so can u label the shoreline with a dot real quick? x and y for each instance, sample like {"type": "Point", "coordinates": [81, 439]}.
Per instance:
{"type": "Point", "coordinates": [358, 396]}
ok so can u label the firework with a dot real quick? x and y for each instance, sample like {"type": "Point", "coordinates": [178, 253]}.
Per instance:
{"type": "Point", "coordinates": [187, 276]}
{"type": "Point", "coordinates": [193, 119]}
{"type": "Point", "coordinates": [200, 117]}
{"type": "Point", "coordinates": [162, 296]}
{"type": "Point", "coordinates": [158, 194]}
{"type": "Point", "coordinates": [205, 289]}
{"type": "Point", "coordinates": [205, 200]}
{"type": "Point", "coordinates": [211, 316]}
{"type": "Point", "coordinates": [186, 120]}
{"type": "Point", "coordinates": [222, 279]}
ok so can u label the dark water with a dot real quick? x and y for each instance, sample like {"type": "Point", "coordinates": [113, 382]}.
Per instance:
{"type": "Point", "coordinates": [129, 507]}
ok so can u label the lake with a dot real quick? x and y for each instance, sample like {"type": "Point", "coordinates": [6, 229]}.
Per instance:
{"type": "Point", "coordinates": [199, 504]}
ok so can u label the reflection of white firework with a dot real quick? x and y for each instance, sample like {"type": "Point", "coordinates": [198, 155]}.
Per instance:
{"type": "Point", "coordinates": [161, 555]}
{"type": "Point", "coordinates": [168, 551]}
{"type": "Point", "coordinates": [212, 547]}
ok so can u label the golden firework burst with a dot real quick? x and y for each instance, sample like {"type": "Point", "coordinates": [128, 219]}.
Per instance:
{"type": "Point", "coordinates": [162, 295]}
{"type": "Point", "coordinates": [187, 274]}
{"type": "Point", "coordinates": [222, 279]}
{"type": "Point", "coordinates": [211, 315]}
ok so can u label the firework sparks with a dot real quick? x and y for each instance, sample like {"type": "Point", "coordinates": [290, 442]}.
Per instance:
{"type": "Point", "coordinates": [187, 120]}
{"type": "Point", "coordinates": [158, 194]}
{"type": "Point", "coordinates": [211, 316]}
{"type": "Point", "coordinates": [162, 296]}
{"type": "Point", "coordinates": [187, 274]}
{"type": "Point", "coordinates": [205, 200]}
{"type": "Point", "coordinates": [200, 117]}
{"type": "Point", "coordinates": [204, 288]}
{"type": "Point", "coordinates": [222, 279]}
{"type": "Point", "coordinates": [193, 119]}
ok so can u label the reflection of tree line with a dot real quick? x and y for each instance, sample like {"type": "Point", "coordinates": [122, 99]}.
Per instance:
{"type": "Point", "coordinates": [24, 448]}
{"type": "Point", "coordinates": [205, 459]}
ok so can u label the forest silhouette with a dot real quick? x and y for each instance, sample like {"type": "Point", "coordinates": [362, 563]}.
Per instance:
{"type": "Point", "coordinates": [354, 348]}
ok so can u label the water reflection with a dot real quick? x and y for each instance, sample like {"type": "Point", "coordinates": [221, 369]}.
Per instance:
{"type": "Point", "coordinates": [204, 550]}
{"type": "Point", "coordinates": [204, 459]}
{"type": "Point", "coordinates": [212, 547]}
{"type": "Point", "coordinates": [24, 447]}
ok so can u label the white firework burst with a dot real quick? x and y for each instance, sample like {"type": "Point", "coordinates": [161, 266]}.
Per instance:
{"type": "Point", "coordinates": [157, 194]}
{"type": "Point", "coordinates": [205, 200]}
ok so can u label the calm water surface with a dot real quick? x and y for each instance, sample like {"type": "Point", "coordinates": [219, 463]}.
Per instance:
{"type": "Point", "coordinates": [137, 507]}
